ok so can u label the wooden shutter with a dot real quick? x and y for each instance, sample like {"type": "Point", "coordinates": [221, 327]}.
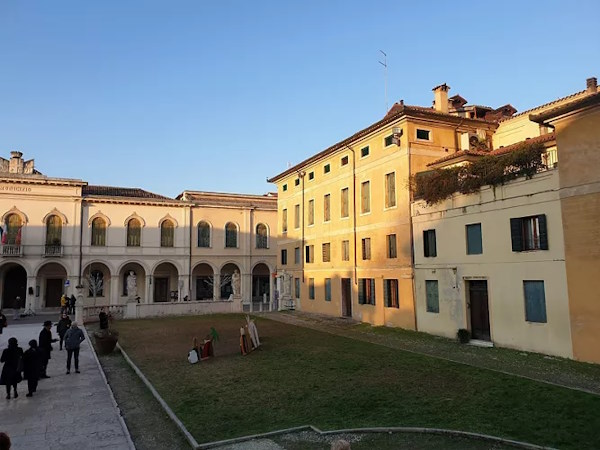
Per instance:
{"type": "Point", "coordinates": [372, 296]}
{"type": "Point", "coordinates": [386, 292]}
{"type": "Point", "coordinates": [516, 234]}
{"type": "Point", "coordinates": [543, 231]}
{"type": "Point", "coordinates": [361, 291]}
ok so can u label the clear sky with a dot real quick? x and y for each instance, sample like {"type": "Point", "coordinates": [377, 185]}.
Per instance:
{"type": "Point", "coordinates": [218, 96]}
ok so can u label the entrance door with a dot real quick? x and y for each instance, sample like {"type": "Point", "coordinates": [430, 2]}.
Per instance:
{"type": "Point", "coordinates": [480, 315]}
{"type": "Point", "coordinates": [54, 290]}
{"type": "Point", "coordinates": [346, 297]}
{"type": "Point", "coordinates": [15, 285]}
{"type": "Point", "coordinates": [161, 289]}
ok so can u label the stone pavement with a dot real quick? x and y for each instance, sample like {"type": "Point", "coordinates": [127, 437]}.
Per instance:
{"type": "Point", "coordinates": [67, 411]}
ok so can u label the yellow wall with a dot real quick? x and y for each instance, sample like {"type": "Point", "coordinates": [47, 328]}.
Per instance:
{"type": "Point", "coordinates": [578, 142]}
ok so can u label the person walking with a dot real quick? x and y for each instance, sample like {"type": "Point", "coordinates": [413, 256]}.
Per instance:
{"type": "Point", "coordinates": [63, 304]}
{"type": "Point", "coordinates": [61, 328]}
{"type": "Point", "coordinates": [4, 441]}
{"type": "Point", "coordinates": [11, 371]}
{"type": "Point", "coordinates": [3, 321]}
{"type": "Point", "coordinates": [32, 361]}
{"type": "Point", "coordinates": [45, 345]}
{"type": "Point", "coordinates": [73, 340]}
{"type": "Point", "coordinates": [72, 302]}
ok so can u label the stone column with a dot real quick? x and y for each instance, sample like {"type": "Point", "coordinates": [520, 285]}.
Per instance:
{"type": "Point", "coordinates": [217, 286]}
{"type": "Point", "coordinates": [113, 298]}
{"type": "Point", "coordinates": [246, 290]}
{"type": "Point", "coordinates": [148, 298]}
{"type": "Point", "coordinates": [30, 302]}
{"type": "Point", "coordinates": [271, 290]}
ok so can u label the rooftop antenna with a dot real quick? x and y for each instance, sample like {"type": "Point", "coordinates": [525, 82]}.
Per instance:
{"type": "Point", "coordinates": [384, 64]}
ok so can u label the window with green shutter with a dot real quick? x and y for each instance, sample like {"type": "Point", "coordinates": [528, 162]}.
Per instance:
{"type": "Point", "coordinates": [311, 288]}
{"type": "Point", "coordinates": [432, 296]}
{"type": "Point", "coordinates": [474, 245]}
{"type": "Point", "coordinates": [429, 244]}
{"type": "Point", "coordinates": [529, 233]}
{"type": "Point", "coordinates": [327, 289]}
{"type": "Point", "coordinates": [366, 291]}
{"type": "Point", "coordinates": [390, 293]}
{"type": "Point", "coordinates": [535, 301]}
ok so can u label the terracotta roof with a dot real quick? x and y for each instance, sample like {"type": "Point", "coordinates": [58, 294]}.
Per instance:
{"type": "Point", "coordinates": [588, 100]}
{"type": "Point", "coordinates": [458, 154]}
{"type": "Point", "coordinates": [397, 111]}
{"type": "Point", "coordinates": [113, 191]}
{"type": "Point", "coordinates": [200, 198]}
{"type": "Point", "coordinates": [545, 105]}
{"type": "Point", "coordinates": [545, 138]}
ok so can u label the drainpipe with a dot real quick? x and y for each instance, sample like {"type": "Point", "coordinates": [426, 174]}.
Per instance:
{"type": "Point", "coordinates": [354, 209]}
{"type": "Point", "coordinates": [251, 232]}
{"type": "Point", "coordinates": [412, 241]}
{"type": "Point", "coordinates": [80, 241]}
{"type": "Point", "coordinates": [190, 257]}
{"type": "Point", "coordinates": [301, 175]}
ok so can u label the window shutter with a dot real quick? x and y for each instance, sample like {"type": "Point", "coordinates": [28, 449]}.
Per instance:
{"type": "Point", "coordinates": [516, 234]}
{"type": "Point", "coordinates": [425, 244]}
{"type": "Point", "coordinates": [432, 245]}
{"type": "Point", "coordinates": [361, 291]}
{"type": "Point", "coordinates": [386, 292]}
{"type": "Point", "coordinates": [543, 231]}
{"type": "Point", "coordinates": [372, 281]}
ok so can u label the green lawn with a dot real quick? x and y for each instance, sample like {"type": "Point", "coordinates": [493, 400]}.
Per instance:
{"type": "Point", "coordinates": [302, 376]}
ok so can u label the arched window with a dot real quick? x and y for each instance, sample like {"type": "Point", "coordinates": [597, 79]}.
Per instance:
{"type": "Point", "coordinates": [230, 235]}
{"type": "Point", "coordinates": [204, 234]}
{"type": "Point", "coordinates": [98, 232]}
{"type": "Point", "coordinates": [134, 233]}
{"type": "Point", "coordinates": [53, 230]}
{"type": "Point", "coordinates": [12, 230]}
{"type": "Point", "coordinates": [261, 236]}
{"type": "Point", "coordinates": [167, 234]}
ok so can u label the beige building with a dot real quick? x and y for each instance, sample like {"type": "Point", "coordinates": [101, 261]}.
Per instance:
{"type": "Point", "coordinates": [123, 245]}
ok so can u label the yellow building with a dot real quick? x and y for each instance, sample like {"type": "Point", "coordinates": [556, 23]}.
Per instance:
{"type": "Point", "coordinates": [345, 240]}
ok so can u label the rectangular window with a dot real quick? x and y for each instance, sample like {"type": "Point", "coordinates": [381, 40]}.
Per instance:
{"type": "Point", "coordinates": [326, 207]}
{"type": "Point", "coordinates": [327, 252]}
{"type": "Point", "coordinates": [529, 233]}
{"type": "Point", "coordinates": [366, 291]}
{"type": "Point", "coordinates": [389, 140]}
{"type": "Point", "coordinates": [311, 212]}
{"type": "Point", "coordinates": [366, 248]}
{"type": "Point", "coordinates": [390, 293]}
{"type": "Point", "coordinates": [364, 152]}
{"type": "Point", "coordinates": [311, 288]}
{"type": "Point", "coordinates": [296, 216]}
{"type": "Point", "coordinates": [283, 257]}
{"type": "Point", "coordinates": [535, 301]}
{"type": "Point", "coordinates": [344, 203]}
{"type": "Point", "coordinates": [391, 246]}
{"type": "Point", "coordinates": [297, 255]}
{"type": "Point", "coordinates": [297, 287]}
{"type": "Point", "coordinates": [297, 182]}
{"type": "Point", "coordinates": [432, 295]}
{"type": "Point", "coordinates": [429, 246]}
{"type": "Point", "coordinates": [310, 253]}
{"type": "Point", "coordinates": [365, 197]}
{"type": "Point", "coordinates": [344, 160]}
{"type": "Point", "coordinates": [474, 245]}
{"type": "Point", "coordinates": [311, 175]}
{"type": "Point", "coordinates": [423, 134]}
{"type": "Point", "coordinates": [284, 221]}
{"type": "Point", "coordinates": [345, 250]}
{"type": "Point", "coordinates": [390, 190]}
{"type": "Point", "coordinates": [326, 168]}
{"type": "Point", "coordinates": [327, 289]}
{"type": "Point", "coordinates": [284, 187]}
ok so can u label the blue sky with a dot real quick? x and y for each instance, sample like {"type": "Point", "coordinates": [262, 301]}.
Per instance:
{"type": "Point", "coordinates": [218, 96]}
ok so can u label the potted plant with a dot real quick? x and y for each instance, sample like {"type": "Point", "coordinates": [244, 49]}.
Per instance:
{"type": "Point", "coordinates": [464, 335]}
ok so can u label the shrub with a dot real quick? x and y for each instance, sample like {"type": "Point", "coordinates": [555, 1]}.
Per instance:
{"type": "Point", "coordinates": [463, 335]}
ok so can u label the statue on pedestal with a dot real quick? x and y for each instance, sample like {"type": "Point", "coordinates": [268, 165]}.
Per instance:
{"type": "Point", "coordinates": [235, 282]}
{"type": "Point", "coordinates": [132, 285]}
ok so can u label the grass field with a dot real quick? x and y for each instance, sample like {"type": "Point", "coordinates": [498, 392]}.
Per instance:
{"type": "Point", "coordinates": [301, 376]}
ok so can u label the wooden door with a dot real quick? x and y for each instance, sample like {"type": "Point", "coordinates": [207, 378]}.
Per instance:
{"type": "Point", "coordinates": [54, 290]}
{"type": "Point", "coordinates": [480, 315]}
{"type": "Point", "coordinates": [161, 289]}
{"type": "Point", "coordinates": [346, 297]}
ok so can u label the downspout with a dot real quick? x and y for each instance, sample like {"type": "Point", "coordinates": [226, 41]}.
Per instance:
{"type": "Point", "coordinates": [80, 241]}
{"type": "Point", "coordinates": [190, 256]}
{"type": "Point", "coordinates": [301, 174]}
{"type": "Point", "coordinates": [412, 241]}
{"type": "Point", "coordinates": [250, 253]}
{"type": "Point", "coordinates": [354, 210]}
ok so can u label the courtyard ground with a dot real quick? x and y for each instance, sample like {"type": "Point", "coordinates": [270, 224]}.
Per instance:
{"type": "Point", "coordinates": [303, 376]}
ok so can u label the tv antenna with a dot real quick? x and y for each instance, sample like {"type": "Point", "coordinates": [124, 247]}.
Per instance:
{"type": "Point", "coordinates": [384, 64]}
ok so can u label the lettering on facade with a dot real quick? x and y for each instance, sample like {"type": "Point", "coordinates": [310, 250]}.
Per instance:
{"type": "Point", "coordinates": [10, 188]}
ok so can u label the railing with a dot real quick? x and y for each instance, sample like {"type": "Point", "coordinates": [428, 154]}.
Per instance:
{"type": "Point", "coordinates": [53, 250]}
{"type": "Point", "coordinates": [90, 313]}
{"type": "Point", "coordinates": [12, 250]}
{"type": "Point", "coordinates": [550, 158]}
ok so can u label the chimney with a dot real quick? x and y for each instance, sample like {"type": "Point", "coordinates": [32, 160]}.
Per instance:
{"type": "Point", "coordinates": [441, 97]}
{"type": "Point", "coordinates": [592, 85]}
{"type": "Point", "coordinates": [16, 163]}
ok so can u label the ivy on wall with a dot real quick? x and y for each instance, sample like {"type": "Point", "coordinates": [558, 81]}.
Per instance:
{"type": "Point", "coordinates": [437, 185]}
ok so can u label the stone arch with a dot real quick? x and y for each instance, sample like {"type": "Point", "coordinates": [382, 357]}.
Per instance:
{"type": "Point", "coordinates": [261, 282]}
{"type": "Point", "coordinates": [262, 235]}
{"type": "Point", "coordinates": [227, 270]}
{"type": "Point", "coordinates": [135, 215]}
{"type": "Point", "coordinates": [13, 277]}
{"type": "Point", "coordinates": [18, 212]}
{"type": "Point", "coordinates": [210, 234]}
{"type": "Point", "coordinates": [55, 212]}
{"type": "Point", "coordinates": [165, 275]}
{"type": "Point", "coordinates": [203, 276]}
{"type": "Point", "coordinates": [168, 217]}
{"type": "Point", "coordinates": [100, 271]}
{"type": "Point", "coordinates": [101, 215]}
{"type": "Point", "coordinates": [125, 295]}
{"type": "Point", "coordinates": [51, 276]}
{"type": "Point", "coordinates": [227, 237]}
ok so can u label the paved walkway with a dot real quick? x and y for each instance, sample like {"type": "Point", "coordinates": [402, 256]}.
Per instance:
{"type": "Point", "coordinates": [67, 411]}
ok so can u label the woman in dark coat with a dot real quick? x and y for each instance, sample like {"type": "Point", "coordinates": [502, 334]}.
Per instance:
{"type": "Point", "coordinates": [32, 366]}
{"type": "Point", "coordinates": [11, 372]}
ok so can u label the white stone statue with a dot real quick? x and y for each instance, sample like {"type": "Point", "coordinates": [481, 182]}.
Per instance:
{"type": "Point", "coordinates": [131, 284]}
{"type": "Point", "coordinates": [235, 282]}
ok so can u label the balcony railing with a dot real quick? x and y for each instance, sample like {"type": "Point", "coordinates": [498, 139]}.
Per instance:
{"type": "Point", "coordinates": [550, 158]}
{"type": "Point", "coordinates": [12, 250]}
{"type": "Point", "coordinates": [53, 250]}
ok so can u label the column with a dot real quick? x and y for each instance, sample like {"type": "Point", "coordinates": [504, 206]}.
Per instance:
{"type": "Point", "coordinates": [148, 297]}
{"type": "Point", "coordinates": [271, 290]}
{"type": "Point", "coordinates": [113, 291]}
{"type": "Point", "coordinates": [217, 286]}
{"type": "Point", "coordinates": [30, 302]}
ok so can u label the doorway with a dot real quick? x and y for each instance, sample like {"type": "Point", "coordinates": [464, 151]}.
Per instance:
{"type": "Point", "coordinates": [161, 289]}
{"type": "Point", "coordinates": [346, 297]}
{"type": "Point", "coordinates": [480, 315]}
{"type": "Point", "coordinates": [15, 285]}
{"type": "Point", "coordinates": [53, 292]}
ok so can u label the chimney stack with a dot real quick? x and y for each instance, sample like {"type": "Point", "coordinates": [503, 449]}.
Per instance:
{"type": "Point", "coordinates": [441, 97]}
{"type": "Point", "coordinates": [592, 85]}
